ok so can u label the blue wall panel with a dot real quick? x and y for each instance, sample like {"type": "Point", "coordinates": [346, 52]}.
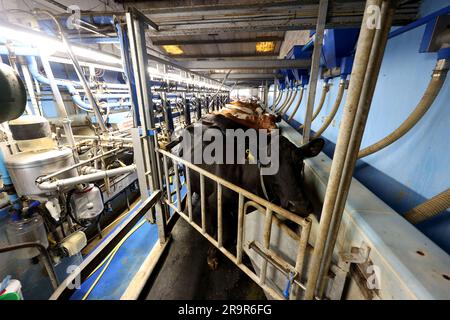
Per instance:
{"type": "Point", "coordinates": [416, 167]}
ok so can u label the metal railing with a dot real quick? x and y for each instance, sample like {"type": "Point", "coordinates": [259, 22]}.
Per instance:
{"type": "Point", "coordinates": [246, 201]}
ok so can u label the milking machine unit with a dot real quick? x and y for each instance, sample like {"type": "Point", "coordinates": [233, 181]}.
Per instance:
{"type": "Point", "coordinates": [50, 202]}
{"type": "Point", "coordinates": [29, 153]}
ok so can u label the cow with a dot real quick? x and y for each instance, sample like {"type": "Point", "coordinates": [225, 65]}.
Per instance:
{"type": "Point", "coordinates": [250, 114]}
{"type": "Point", "coordinates": [284, 188]}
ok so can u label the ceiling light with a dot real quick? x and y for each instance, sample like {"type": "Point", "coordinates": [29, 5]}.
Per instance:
{"type": "Point", "coordinates": [173, 49]}
{"type": "Point", "coordinates": [265, 46]}
{"type": "Point", "coordinates": [49, 45]}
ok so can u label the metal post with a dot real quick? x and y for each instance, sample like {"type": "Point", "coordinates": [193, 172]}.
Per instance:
{"type": "Point", "coordinates": [199, 108]}
{"type": "Point", "coordinates": [266, 243]}
{"type": "Point", "coordinates": [266, 95]}
{"type": "Point", "coordinates": [166, 174]}
{"type": "Point", "coordinates": [138, 51]}
{"type": "Point", "coordinates": [140, 164]}
{"type": "Point", "coordinates": [189, 192]}
{"type": "Point", "coordinates": [219, 216]}
{"type": "Point", "coordinates": [187, 110]}
{"type": "Point", "coordinates": [315, 64]}
{"type": "Point", "coordinates": [301, 252]}
{"type": "Point", "coordinates": [240, 229]}
{"type": "Point", "coordinates": [370, 80]}
{"type": "Point", "coordinates": [207, 103]}
{"type": "Point", "coordinates": [203, 202]}
{"type": "Point", "coordinates": [360, 66]}
{"type": "Point", "coordinates": [176, 179]}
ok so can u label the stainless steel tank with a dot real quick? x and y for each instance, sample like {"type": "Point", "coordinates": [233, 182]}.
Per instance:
{"type": "Point", "coordinates": [25, 167]}
{"type": "Point", "coordinates": [32, 133]}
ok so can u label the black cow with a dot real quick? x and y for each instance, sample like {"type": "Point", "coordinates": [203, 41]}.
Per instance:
{"type": "Point", "coordinates": [285, 188]}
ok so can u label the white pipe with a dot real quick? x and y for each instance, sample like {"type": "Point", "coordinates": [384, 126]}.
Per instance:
{"type": "Point", "coordinates": [56, 185]}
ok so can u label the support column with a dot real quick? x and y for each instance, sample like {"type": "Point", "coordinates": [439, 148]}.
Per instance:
{"type": "Point", "coordinates": [366, 52]}
{"type": "Point", "coordinates": [315, 64]}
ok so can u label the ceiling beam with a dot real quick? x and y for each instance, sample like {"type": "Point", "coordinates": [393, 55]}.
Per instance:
{"type": "Point", "coordinates": [267, 25]}
{"type": "Point", "coordinates": [245, 76]}
{"type": "Point", "coordinates": [245, 64]}
{"type": "Point", "coordinates": [163, 42]}
{"type": "Point", "coordinates": [191, 6]}
{"type": "Point", "coordinates": [272, 55]}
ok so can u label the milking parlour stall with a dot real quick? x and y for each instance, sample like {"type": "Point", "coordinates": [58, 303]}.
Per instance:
{"type": "Point", "coordinates": [223, 155]}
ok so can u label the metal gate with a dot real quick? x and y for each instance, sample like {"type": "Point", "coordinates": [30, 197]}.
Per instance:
{"type": "Point", "coordinates": [246, 200]}
{"type": "Point", "coordinates": [151, 172]}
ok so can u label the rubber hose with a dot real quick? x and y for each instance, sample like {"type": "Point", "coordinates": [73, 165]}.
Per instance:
{"type": "Point", "coordinates": [433, 89]}
{"type": "Point", "coordinates": [429, 208]}
{"type": "Point", "coordinates": [326, 88]}
{"type": "Point", "coordinates": [289, 104]}
{"type": "Point", "coordinates": [289, 95]}
{"type": "Point", "coordinates": [277, 100]}
{"type": "Point", "coordinates": [302, 89]}
{"type": "Point", "coordinates": [334, 109]}
{"type": "Point", "coordinates": [281, 101]}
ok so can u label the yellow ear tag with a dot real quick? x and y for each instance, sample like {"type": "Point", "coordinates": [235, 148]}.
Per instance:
{"type": "Point", "coordinates": [250, 157]}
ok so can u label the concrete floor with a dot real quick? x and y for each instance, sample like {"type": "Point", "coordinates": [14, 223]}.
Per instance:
{"type": "Point", "coordinates": [184, 274]}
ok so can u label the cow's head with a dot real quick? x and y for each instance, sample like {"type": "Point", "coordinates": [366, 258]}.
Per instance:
{"type": "Point", "coordinates": [286, 186]}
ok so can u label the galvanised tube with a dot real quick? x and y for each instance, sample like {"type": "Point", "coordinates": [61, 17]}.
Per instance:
{"type": "Point", "coordinates": [429, 208]}
{"type": "Point", "coordinates": [334, 109]}
{"type": "Point", "coordinates": [326, 88]}
{"type": "Point", "coordinates": [360, 66]}
{"type": "Point", "coordinates": [368, 89]}
{"type": "Point", "coordinates": [52, 186]}
{"type": "Point", "coordinates": [433, 89]}
{"type": "Point", "coordinates": [302, 89]}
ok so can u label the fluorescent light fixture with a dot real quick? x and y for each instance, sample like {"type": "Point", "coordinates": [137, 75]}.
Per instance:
{"type": "Point", "coordinates": [49, 45]}
{"type": "Point", "coordinates": [181, 79]}
{"type": "Point", "coordinates": [173, 49]}
{"type": "Point", "coordinates": [265, 46]}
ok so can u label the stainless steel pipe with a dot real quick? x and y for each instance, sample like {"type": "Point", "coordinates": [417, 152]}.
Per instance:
{"type": "Point", "coordinates": [52, 186]}
{"type": "Point", "coordinates": [360, 66]}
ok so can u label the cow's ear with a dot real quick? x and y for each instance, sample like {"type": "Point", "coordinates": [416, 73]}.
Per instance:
{"type": "Point", "coordinates": [278, 118]}
{"type": "Point", "coordinates": [312, 148]}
